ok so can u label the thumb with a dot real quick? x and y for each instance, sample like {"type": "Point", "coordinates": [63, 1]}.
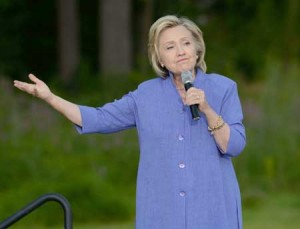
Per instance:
{"type": "Point", "coordinates": [33, 78]}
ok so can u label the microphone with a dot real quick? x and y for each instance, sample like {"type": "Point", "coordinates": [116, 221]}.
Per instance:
{"type": "Point", "coordinates": [187, 79]}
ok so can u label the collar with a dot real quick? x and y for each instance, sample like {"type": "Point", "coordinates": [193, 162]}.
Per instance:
{"type": "Point", "coordinates": [198, 76]}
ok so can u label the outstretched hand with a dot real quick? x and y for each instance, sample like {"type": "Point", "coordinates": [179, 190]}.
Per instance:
{"type": "Point", "coordinates": [38, 88]}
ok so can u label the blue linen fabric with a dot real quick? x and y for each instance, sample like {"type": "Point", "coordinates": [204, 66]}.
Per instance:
{"type": "Point", "coordinates": [184, 180]}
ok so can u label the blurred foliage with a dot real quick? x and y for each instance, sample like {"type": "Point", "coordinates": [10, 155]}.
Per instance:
{"type": "Point", "coordinates": [253, 42]}
{"type": "Point", "coordinates": [270, 161]}
{"type": "Point", "coordinates": [238, 33]}
{"type": "Point", "coordinates": [40, 154]}
{"type": "Point", "coordinates": [27, 37]}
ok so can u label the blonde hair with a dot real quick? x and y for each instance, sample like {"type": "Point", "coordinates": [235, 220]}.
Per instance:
{"type": "Point", "coordinates": [170, 21]}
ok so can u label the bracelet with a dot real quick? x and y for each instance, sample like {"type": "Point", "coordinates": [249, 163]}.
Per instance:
{"type": "Point", "coordinates": [219, 124]}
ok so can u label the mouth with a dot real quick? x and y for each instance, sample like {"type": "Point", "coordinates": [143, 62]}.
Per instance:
{"type": "Point", "coordinates": [182, 60]}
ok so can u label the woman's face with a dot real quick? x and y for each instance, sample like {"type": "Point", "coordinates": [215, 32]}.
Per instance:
{"type": "Point", "coordinates": [177, 49]}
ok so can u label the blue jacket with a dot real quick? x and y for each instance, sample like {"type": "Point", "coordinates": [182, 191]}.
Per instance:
{"type": "Point", "coordinates": [184, 180]}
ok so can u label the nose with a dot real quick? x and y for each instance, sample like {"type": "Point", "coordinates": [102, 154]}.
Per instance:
{"type": "Point", "coordinates": [180, 50]}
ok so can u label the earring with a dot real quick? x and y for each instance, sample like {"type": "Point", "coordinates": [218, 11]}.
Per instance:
{"type": "Point", "coordinates": [197, 56]}
{"type": "Point", "coordinates": [162, 65]}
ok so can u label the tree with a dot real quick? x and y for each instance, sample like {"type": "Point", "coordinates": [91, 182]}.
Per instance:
{"type": "Point", "coordinates": [144, 13]}
{"type": "Point", "coordinates": [115, 43]}
{"type": "Point", "coordinates": [68, 39]}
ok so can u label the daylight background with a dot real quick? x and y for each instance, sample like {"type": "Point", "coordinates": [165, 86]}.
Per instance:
{"type": "Point", "coordinates": [92, 52]}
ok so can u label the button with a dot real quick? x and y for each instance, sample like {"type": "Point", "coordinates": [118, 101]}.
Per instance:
{"type": "Point", "coordinates": [180, 137]}
{"type": "Point", "coordinates": [181, 165]}
{"type": "Point", "coordinates": [182, 193]}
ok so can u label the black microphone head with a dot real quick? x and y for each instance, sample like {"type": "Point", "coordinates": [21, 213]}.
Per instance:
{"type": "Point", "coordinates": [187, 77]}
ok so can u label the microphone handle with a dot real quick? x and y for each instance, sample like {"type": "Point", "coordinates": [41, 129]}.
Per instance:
{"type": "Point", "coordinates": [194, 107]}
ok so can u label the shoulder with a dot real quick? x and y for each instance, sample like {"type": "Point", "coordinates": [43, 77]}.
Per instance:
{"type": "Point", "coordinates": [149, 88]}
{"type": "Point", "coordinates": [219, 80]}
{"type": "Point", "coordinates": [151, 83]}
{"type": "Point", "coordinates": [218, 83]}
{"type": "Point", "coordinates": [152, 86]}
{"type": "Point", "coordinates": [215, 85]}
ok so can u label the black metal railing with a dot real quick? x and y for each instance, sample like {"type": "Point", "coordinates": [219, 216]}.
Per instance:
{"type": "Point", "coordinates": [36, 204]}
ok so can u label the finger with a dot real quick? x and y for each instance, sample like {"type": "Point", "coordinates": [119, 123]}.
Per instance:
{"type": "Point", "coordinates": [194, 95]}
{"type": "Point", "coordinates": [34, 79]}
{"type": "Point", "coordinates": [20, 84]}
{"type": "Point", "coordinates": [24, 86]}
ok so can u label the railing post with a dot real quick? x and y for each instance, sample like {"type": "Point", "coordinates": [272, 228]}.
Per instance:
{"type": "Point", "coordinates": [36, 204]}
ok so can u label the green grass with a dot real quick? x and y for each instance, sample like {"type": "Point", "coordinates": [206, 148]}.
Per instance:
{"type": "Point", "coordinates": [112, 226]}
{"type": "Point", "coordinates": [90, 226]}
{"type": "Point", "coordinates": [277, 211]}
{"type": "Point", "coordinates": [274, 211]}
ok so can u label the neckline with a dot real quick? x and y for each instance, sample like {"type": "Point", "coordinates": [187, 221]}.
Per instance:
{"type": "Point", "coordinates": [196, 79]}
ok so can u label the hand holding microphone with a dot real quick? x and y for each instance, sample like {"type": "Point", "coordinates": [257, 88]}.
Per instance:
{"type": "Point", "coordinates": [195, 97]}
{"type": "Point", "coordinates": [187, 80]}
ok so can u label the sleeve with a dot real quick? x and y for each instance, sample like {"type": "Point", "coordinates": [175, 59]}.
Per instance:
{"type": "Point", "coordinates": [231, 112]}
{"type": "Point", "coordinates": [112, 117]}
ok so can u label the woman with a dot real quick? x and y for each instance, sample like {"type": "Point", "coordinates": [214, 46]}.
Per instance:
{"type": "Point", "coordinates": [186, 179]}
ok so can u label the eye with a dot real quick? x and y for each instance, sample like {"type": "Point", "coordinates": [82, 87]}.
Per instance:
{"type": "Point", "coordinates": [187, 43]}
{"type": "Point", "coordinates": [169, 47]}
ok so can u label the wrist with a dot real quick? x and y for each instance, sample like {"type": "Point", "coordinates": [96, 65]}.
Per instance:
{"type": "Point", "coordinates": [50, 99]}
{"type": "Point", "coordinates": [207, 110]}
{"type": "Point", "coordinates": [217, 125]}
